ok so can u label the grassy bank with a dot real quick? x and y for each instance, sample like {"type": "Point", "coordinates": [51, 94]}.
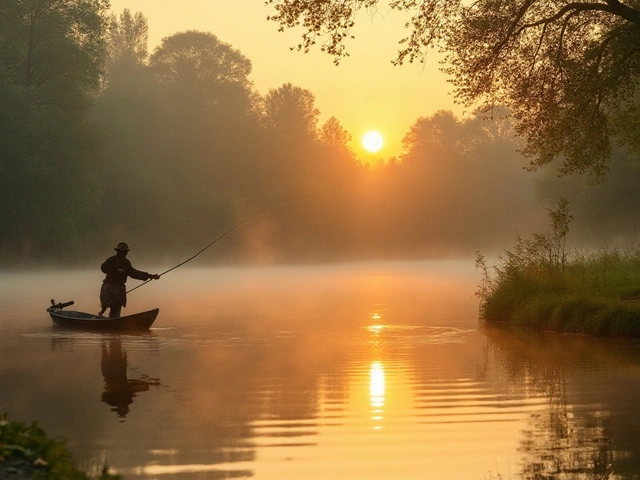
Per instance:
{"type": "Point", "coordinates": [539, 285]}
{"type": "Point", "coordinates": [26, 452]}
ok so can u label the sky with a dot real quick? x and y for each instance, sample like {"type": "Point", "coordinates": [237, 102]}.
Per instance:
{"type": "Point", "coordinates": [365, 92]}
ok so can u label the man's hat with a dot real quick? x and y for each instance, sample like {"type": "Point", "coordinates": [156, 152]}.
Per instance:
{"type": "Point", "coordinates": [122, 247]}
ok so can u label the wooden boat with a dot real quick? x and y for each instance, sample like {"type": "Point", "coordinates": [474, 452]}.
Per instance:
{"type": "Point", "coordinates": [88, 321]}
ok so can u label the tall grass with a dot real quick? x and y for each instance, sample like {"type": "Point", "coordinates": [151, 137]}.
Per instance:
{"type": "Point", "coordinates": [538, 284]}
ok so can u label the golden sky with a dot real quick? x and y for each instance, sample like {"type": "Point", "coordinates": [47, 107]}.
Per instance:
{"type": "Point", "coordinates": [365, 92]}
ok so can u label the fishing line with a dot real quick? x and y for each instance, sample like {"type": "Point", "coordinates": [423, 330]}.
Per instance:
{"type": "Point", "coordinates": [277, 204]}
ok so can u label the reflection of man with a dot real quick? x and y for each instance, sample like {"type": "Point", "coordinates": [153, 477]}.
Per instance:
{"type": "Point", "coordinates": [113, 294]}
{"type": "Point", "coordinates": [119, 391]}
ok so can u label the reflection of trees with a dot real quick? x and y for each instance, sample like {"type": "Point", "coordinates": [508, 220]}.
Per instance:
{"type": "Point", "coordinates": [583, 433]}
{"type": "Point", "coordinates": [119, 390]}
{"type": "Point", "coordinates": [562, 444]}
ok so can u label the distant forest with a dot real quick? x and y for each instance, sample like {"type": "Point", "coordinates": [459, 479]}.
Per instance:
{"type": "Point", "coordinates": [101, 142]}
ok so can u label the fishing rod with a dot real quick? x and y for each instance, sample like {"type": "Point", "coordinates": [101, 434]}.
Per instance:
{"type": "Point", "coordinates": [277, 204]}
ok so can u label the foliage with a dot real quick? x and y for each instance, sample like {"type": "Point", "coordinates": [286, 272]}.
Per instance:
{"type": "Point", "coordinates": [50, 66]}
{"type": "Point", "coordinates": [568, 70]}
{"type": "Point", "coordinates": [333, 134]}
{"type": "Point", "coordinates": [127, 43]}
{"type": "Point", "coordinates": [289, 112]}
{"type": "Point", "coordinates": [55, 49]}
{"type": "Point", "coordinates": [538, 285]}
{"type": "Point", "coordinates": [200, 65]}
{"type": "Point", "coordinates": [128, 37]}
{"type": "Point", "coordinates": [29, 447]}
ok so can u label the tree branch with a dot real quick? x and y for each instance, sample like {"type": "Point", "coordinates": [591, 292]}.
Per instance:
{"type": "Point", "coordinates": [577, 7]}
{"type": "Point", "coordinates": [514, 24]}
{"type": "Point", "coordinates": [630, 14]}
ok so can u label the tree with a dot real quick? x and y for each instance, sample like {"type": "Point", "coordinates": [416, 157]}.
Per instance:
{"type": "Point", "coordinates": [128, 113]}
{"type": "Point", "coordinates": [51, 62]}
{"type": "Point", "coordinates": [128, 38]}
{"type": "Point", "coordinates": [205, 85]}
{"type": "Point", "coordinates": [54, 48]}
{"type": "Point", "coordinates": [290, 124]}
{"type": "Point", "coordinates": [171, 128]}
{"type": "Point", "coordinates": [290, 113]}
{"type": "Point", "coordinates": [203, 67]}
{"type": "Point", "coordinates": [333, 134]}
{"type": "Point", "coordinates": [568, 70]}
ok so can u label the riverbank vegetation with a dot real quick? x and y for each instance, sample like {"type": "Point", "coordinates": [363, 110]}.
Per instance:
{"type": "Point", "coordinates": [27, 452]}
{"type": "Point", "coordinates": [539, 284]}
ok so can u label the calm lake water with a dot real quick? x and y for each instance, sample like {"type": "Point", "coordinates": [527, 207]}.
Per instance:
{"type": "Point", "coordinates": [364, 371]}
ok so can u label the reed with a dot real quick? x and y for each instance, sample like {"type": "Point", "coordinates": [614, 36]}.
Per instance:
{"type": "Point", "coordinates": [539, 285]}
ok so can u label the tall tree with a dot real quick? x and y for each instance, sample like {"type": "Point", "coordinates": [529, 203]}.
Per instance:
{"type": "Point", "coordinates": [567, 69]}
{"type": "Point", "coordinates": [202, 110]}
{"type": "Point", "coordinates": [51, 61]}
{"type": "Point", "coordinates": [205, 83]}
{"type": "Point", "coordinates": [333, 134]}
{"type": "Point", "coordinates": [290, 112]}
{"type": "Point", "coordinates": [128, 40]}
{"type": "Point", "coordinates": [206, 70]}
{"type": "Point", "coordinates": [55, 48]}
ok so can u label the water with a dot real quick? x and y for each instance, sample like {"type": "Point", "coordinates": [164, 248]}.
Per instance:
{"type": "Point", "coordinates": [367, 371]}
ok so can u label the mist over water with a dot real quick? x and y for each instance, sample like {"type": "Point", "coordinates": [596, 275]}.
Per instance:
{"type": "Point", "coordinates": [337, 292]}
{"type": "Point", "coordinates": [361, 370]}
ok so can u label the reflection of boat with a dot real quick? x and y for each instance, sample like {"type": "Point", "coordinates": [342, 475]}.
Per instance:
{"type": "Point", "coordinates": [119, 390]}
{"type": "Point", "coordinates": [71, 319]}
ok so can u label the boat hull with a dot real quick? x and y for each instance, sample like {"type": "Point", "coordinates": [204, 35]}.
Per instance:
{"type": "Point", "coordinates": [87, 321]}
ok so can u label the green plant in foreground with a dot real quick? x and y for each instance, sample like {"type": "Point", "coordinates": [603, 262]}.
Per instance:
{"type": "Point", "coordinates": [539, 285]}
{"type": "Point", "coordinates": [27, 450]}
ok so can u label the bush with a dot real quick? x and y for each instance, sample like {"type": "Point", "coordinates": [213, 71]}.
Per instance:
{"type": "Point", "coordinates": [539, 285]}
{"type": "Point", "coordinates": [26, 451]}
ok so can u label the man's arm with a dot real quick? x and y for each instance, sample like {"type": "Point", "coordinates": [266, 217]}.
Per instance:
{"type": "Point", "coordinates": [140, 275]}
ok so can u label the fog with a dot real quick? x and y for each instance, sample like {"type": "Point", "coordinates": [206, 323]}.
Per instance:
{"type": "Point", "coordinates": [259, 295]}
{"type": "Point", "coordinates": [176, 148]}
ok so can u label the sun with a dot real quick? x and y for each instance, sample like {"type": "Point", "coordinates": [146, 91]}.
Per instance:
{"type": "Point", "coordinates": [372, 141]}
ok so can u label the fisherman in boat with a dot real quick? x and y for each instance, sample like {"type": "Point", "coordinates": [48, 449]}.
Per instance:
{"type": "Point", "coordinates": [113, 294]}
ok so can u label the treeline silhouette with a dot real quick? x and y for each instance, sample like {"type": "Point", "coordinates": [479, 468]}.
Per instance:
{"type": "Point", "coordinates": [170, 150]}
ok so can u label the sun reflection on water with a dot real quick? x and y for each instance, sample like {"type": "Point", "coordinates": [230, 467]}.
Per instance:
{"type": "Point", "coordinates": [377, 383]}
{"type": "Point", "coordinates": [376, 392]}
{"type": "Point", "coordinates": [377, 386]}
{"type": "Point", "coordinates": [375, 329]}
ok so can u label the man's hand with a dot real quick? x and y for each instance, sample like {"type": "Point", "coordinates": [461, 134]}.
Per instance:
{"type": "Point", "coordinates": [155, 276]}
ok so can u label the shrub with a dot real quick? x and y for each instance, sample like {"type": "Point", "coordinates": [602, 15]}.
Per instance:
{"type": "Point", "coordinates": [26, 451]}
{"type": "Point", "coordinates": [539, 285]}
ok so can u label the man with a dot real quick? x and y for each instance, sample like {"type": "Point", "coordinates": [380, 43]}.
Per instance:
{"type": "Point", "coordinates": [113, 294]}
